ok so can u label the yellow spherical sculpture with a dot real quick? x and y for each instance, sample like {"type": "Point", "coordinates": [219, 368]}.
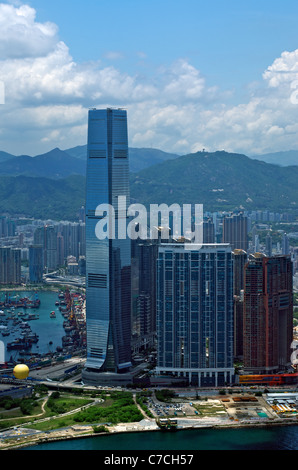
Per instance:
{"type": "Point", "coordinates": [21, 371]}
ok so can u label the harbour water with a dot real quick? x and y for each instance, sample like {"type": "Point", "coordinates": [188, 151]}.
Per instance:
{"type": "Point", "coordinates": [269, 438]}
{"type": "Point", "coordinates": [50, 330]}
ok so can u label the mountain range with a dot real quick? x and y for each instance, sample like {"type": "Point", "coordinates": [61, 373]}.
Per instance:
{"type": "Point", "coordinates": [59, 163]}
{"type": "Point", "coordinates": [53, 185]}
{"type": "Point", "coordinates": [62, 163]}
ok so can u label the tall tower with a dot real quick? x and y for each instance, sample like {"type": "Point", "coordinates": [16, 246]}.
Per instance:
{"type": "Point", "coordinates": [268, 314]}
{"type": "Point", "coordinates": [108, 261]}
{"type": "Point", "coordinates": [239, 262]}
{"type": "Point", "coordinates": [235, 231]}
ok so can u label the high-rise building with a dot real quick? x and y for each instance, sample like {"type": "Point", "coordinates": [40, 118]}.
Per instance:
{"type": "Point", "coordinates": [208, 231]}
{"type": "Point", "coordinates": [144, 256]}
{"type": "Point", "coordinates": [285, 245]}
{"type": "Point", "coordinates": [7, 227]}
{"type": "Point", "coordinates": [10, 266]}
{"type": "Point", "coordinates": [239, 262]}
{"type": "Point", "coordinates": [268, 245]}
{"type": "Point", "coordinates": [108, 260]}
{"type": "Point", "coordinates": [195, 313]}
{"type": "Point", "coordinates": [268, 313]}
{"type": "Point", "coordinates": [35, 263]}
{"type": "Point", "coordinates": [235, 231]}
{"type": "Point", "coordinates": [50, 247]}
{"type": "Point", "coordinates": [60, 250]}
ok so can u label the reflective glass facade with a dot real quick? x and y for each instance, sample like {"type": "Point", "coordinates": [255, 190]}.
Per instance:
{"type": "Point", "coordinates": [108, 261]}
{"type": "Point", "coordinates": [195, 313]}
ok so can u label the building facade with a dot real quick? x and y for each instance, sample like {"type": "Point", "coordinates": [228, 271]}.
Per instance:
{"type": "Point", "coordinates": [10, 266]}
{"type": "Point", "coordinates": [239, 262]}
{"type": "Point", "coordinates": [268, 314]}
{"type": "Point", "coordinates": [108, 261]}
{"type": "Point", "coordinates": [195, 314]}
{"type": "Point", "coordinates": [235, 231]}
{"type": "Point", "coordinates": [36, 263]}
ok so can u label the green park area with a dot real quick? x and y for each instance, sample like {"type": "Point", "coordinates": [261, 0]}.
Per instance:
{"type": "Point", "coordinates": [46, 412]}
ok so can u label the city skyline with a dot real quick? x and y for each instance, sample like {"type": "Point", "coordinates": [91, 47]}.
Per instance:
{"type": "Point", "coordinates": [212, 76]}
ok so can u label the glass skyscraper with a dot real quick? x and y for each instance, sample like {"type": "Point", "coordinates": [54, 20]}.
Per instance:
{"type": "Point", "coordinates": [195, 313]}
{"type": "Point", "coordinates": [108, 261]}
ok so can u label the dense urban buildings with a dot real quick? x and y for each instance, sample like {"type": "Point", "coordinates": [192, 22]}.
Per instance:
{"type": "Point", "coordinates": [268, 314]}
{"type": "Point", "coordinates": [195, 314]}
{"type": "Point", "coordinates": [108, 261]}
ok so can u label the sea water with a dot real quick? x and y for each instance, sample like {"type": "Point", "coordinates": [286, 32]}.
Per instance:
{"type": "Point", "coordinates": [50, 330]}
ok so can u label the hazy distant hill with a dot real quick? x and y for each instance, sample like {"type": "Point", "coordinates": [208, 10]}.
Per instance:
{"type": "Point", "coordinates": [54, 164]}
{"type": "Point", "coordinates": [42, 198]}
{"type": "Point", "coordinates": [4, 156]}
{"type": "Point", "coordinates": [139, 159]}
{"type": "Point", "coordinates": [286, 158]}
{"type": "Point", "coordinates": [220, 181]}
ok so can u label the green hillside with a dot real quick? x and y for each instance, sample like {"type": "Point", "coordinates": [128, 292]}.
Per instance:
{"type": "Point", "coordinates": [42, 197]}
{"type": "Point", "coordinates": [220, 181]}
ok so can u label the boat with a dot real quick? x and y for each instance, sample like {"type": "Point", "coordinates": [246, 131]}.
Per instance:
{"type": "Point", "coordinates": [53, 315]}
{"type": "Point", "coordinates": [32, 338]}
{"type": "Point", "coordinates": [19, 344]}
{"type": "Point", "coordinates": [33, 316]}
{"type": "Point", "coordinates": [5, 333]}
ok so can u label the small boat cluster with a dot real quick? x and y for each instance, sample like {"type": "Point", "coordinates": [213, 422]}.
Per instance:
{"type": "Point", "coordinates": [16, 323]}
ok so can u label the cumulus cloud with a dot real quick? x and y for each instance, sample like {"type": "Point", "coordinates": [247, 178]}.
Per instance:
{"type": "Point", "coordinates": [48, 95]}
{"type": "Point", "coordinates": [20, 34]}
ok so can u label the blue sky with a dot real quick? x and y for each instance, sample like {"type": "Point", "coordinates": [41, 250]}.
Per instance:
{"type": "Point", "coordinates": [232, 42]}
{"type": "Point", "coordinates": [191, 73]}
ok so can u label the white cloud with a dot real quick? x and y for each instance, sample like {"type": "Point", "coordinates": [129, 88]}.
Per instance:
{"type": "Point", "coordinates": [21, 36]}
{"type": "Point", "coordinates": [48, 94]}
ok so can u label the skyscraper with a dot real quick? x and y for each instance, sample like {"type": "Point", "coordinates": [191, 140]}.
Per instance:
{"type": "Point", "coordinates": [208, 231]}
{"type": "Point", "coordinates": [35, 263]}
{"type": "Point", "coordinates": [144, 256]}
{"type": "Point", "coordinates": [285, 244]}
{"type": "Point", "coordinates": [10, 266]}
{"type": "Point", "coordinates": [239, 262]}
{"type": "Point", "coordinates": [195, 313]}
{"type": "Point", "coordinates": [268, 245]}
{"type": "Point", "coordinates": [108, 261]}
{"type": "Point", "coordinates": [268, 313]}
{"type": "Point", "coordinates": [235, 231]}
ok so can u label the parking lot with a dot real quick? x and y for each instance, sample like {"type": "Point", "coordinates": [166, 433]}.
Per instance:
{"type": "Point", "coordinates": [181, 409]}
